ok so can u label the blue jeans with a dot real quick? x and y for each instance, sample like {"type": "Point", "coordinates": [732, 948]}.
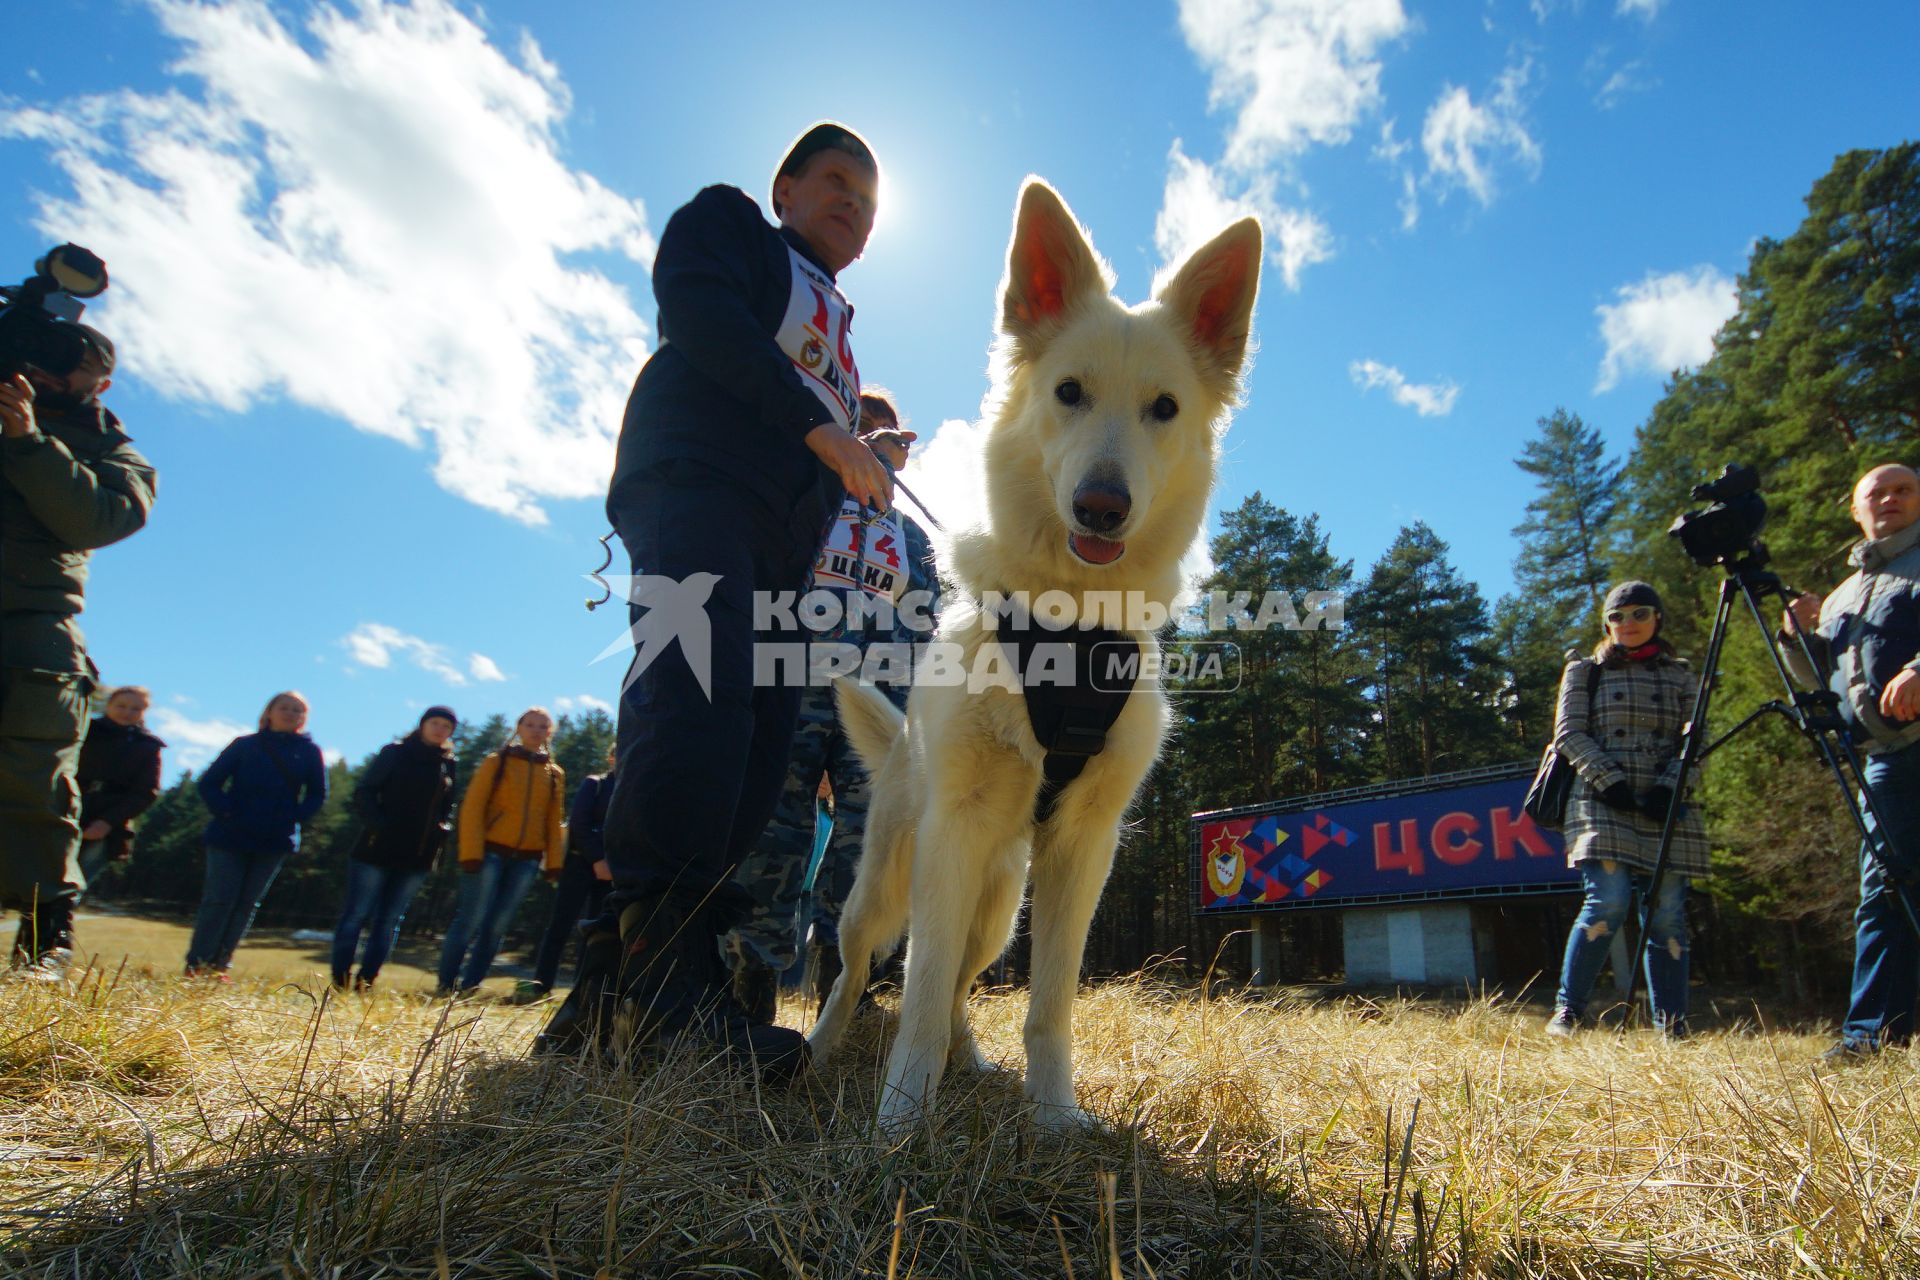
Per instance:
{"type": "Point", "coordinates": [377, 900]}
{"type": "Point", "coordinates": [1886, 959]}
{"type": "Point", "coordinates": [236, 883]}
{"type": "Point", "coordinates": [1610, 889]}
{"type": "Point", "coordinates": [488, 899]}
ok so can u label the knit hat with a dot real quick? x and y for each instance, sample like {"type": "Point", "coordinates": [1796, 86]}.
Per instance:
{"type": "Point", "coordinates": [444, 713]}
{"type": "Point", "coordinates": [1633, 592]}
{"type": "Point", "coordinates": [101, 344]}
{"type": "Point", "coordinates": [827, 135]}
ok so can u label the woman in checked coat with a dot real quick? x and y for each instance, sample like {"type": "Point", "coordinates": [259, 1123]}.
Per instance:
{"type": "Point", "coordinates": [1622, 713]}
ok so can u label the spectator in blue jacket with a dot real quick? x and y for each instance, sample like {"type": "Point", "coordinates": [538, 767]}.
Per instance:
{"type": "Point", "coordinates": [404, 803]}
{"type": "Point", "coordinates": [260, 790]}
{"type": "Point", "coordinates": [581, 888]}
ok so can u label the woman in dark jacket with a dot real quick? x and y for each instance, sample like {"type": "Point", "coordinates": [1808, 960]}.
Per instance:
{"type": "Point", "coordinates": [119, 778]}
{"type": "Point", "coordinates": [1622, 714]}
{"type": "Point", "coordinates": [405, 806]}
{"type": "Point", "coordinates": [260, 790]}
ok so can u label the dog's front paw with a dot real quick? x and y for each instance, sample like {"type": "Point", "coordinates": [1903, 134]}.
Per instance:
{"type": "Point", "coordinates": [1066, 1119]}
{"type": "Point", "coordinates": [899, 1115]}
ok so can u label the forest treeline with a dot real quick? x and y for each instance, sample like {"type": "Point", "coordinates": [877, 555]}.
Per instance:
{"type": "Point", "coordinates": [1813, 380]}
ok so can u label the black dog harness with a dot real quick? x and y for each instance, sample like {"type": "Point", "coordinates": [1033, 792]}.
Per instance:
{"type": "Point", "coordinates": [1070, 713]}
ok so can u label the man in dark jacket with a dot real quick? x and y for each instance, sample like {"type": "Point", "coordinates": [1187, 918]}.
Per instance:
{"type": "Point", "coordinates": [580, 889]}
{"type": "Point", "coordinates": [119, 779]}
{"type": "Point", "coordinates": [70, 482]}
{"type": "Point", "coordinates": [737, 447]}
{"type": "Point", "coordinates": [1866, 639]}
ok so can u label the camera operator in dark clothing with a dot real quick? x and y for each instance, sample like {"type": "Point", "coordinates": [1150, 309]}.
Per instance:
{"type": "Point", "coordinates": [1866, 638]}
{"type": "Point", "coordinates": [737, 448]}
{"type": "Point", "coordinates": [70, 482]}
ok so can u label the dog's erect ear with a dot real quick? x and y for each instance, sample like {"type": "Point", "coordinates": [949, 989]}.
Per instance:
{"type": "Point", "coordinates": [1050, 265]}
{"type": "Point", "coordinates": [1213, 294]}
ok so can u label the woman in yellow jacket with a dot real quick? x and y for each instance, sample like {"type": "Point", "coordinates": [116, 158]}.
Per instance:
{"type": "Point", "coordinates": [510, 831]}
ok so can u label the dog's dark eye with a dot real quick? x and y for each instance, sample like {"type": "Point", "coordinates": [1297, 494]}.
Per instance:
{"type": "Point", "coordinates": [1164, 408]}
{"type": "Point", "coordinates": [1068, 392]}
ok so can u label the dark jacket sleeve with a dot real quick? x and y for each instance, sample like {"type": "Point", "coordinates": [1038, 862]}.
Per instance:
{"type": "Point", "coordinates": [213, 783]}
{"type": "Point", "coordinates": [583, 833]}
{"type": "Point", "coordinates": [143, 786]}
{"type": "Point", "coordinates": [366, 792]}
{"type": "Point", "coordinates": [710, 268]}
{"type": "Point", "coordinates": [314, 792]}
{"type": "Point", "coordinates": [85, 506]}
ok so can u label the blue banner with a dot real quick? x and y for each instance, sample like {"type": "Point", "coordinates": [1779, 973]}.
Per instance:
{"type": "Point", "coordinates": [1459, 841]}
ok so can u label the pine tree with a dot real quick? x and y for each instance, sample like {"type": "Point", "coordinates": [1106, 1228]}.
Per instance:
{"type": "Point", "coordinates": [1435, 686]}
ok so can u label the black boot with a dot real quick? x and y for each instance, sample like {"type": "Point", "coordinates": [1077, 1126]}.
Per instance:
{"type": "Point", "coordinates": [756, 989]}
{"type": "Point", "coordinates": [657, 975]}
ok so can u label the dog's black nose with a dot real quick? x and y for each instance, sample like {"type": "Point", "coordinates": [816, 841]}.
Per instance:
{"type": "Point", "coordinates": [1101, 507]}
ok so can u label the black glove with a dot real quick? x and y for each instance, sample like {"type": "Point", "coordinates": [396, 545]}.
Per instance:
{"type": "Point", "coordinates": [1618, 796]}
{"type": "Point", "coordinates": [1655, 800]}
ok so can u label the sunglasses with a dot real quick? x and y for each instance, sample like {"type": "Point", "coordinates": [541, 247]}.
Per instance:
{"type": "Point", "coordinates": [1639, 613]}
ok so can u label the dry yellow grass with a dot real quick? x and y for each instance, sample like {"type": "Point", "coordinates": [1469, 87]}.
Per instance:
{"type": "Point", "coordinates": [158, 1128]}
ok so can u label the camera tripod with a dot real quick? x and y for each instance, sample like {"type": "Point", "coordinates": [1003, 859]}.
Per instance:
{"type": "Point", "coordinates": [1815, 714]}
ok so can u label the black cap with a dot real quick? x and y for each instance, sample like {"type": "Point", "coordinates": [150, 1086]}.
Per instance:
{"type": "Point", "coordinates": [1633, 592]}
{"type": "Point", "coordinates": [444, 713]}
{"type": "Point", "coordinates": [100, 342]}
{"type": "Point", "coordinates": [827, 135]}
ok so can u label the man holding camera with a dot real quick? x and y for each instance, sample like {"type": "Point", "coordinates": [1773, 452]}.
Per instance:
{"type": "Point", "coordinates": [1866, 639]}
{"type": "Point", "coordinates": [735, 453]}
{"type": "Point", "coordinates": [69, 483]}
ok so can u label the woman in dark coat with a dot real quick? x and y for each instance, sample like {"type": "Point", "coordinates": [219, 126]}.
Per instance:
{"type": "Point", "coordinates": [405, 806]}
{"type": "Point", "coordinates": [119, 778]}
{"type": "Point", "coordinates": [1622, 713]}
{"type": "Point", "coordinates": [261, 789]}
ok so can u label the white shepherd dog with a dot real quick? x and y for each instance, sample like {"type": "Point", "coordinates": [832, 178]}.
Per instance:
{"type": "Point", "coordinates": [1099, 463]}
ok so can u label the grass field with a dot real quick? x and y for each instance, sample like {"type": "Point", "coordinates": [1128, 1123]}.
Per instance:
{"type": "Point", "coordinates": [155, 1127]}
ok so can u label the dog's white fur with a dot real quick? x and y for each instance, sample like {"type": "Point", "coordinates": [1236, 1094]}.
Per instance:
{"type": "Point", "coordinates": [950, 836]}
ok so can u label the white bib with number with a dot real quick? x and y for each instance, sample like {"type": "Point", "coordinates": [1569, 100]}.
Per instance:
{"type": "Point", "coordinates": [814, 335]}
{"type": "Point", "coordinates": [882, 571]}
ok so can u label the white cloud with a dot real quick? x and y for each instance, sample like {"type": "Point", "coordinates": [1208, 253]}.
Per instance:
{"type": "Point", "coordinates": [1665, 322]}
{"type": "Point", "coordinates": [1464, 142]}
{"type": "Point", "coordinates": [1631, 77]}
{"type": "Point", "coordinates": [371, 218]}
{"type": "Point", "coordinates": [1428, 399]}
{"type": "Point", "coordinates": [1299, 72]}
{"type": "Point", "coordinates": [375, 644]}
{"type": "Point", "coordinates": [947, 471]}
{"type": "Point", "coordinates": [192, 744]}
{"type": "Point", "coordinates": [581, 702]}
{"type": "Point", "coordinates": [1646, 10]}
{"type": "Point", "coordinates": [1296, 74]}
{"type": "Point", "coordinates": [1197, 206]}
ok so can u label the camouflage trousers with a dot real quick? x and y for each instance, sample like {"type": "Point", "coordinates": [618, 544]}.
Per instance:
{"type": "Point", "coordinates": [43, 716]}
{"type": "Point", "coordinates": [775, 872]}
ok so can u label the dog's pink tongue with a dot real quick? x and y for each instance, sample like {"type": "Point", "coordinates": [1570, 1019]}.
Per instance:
{"type": "Point", "coordinates": [1096, 550]}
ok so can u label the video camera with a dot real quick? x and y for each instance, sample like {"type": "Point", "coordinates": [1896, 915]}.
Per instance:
{"type": "Point", "coordinates": [37, 329]}
{"type": "Point", "coordinates": [1728, 532]}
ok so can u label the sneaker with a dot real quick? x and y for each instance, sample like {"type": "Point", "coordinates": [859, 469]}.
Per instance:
{"type": "Point", "coordinates": [527, 991]}
{"type": "Point", "coordinates": [655, 974]}
{"type": "Point", "coordinates": [362, 985]}
{"type": "Point", "coordinates": [1850, 1051]}
{"type": "Point", "coordinates": [1563, 1023]}
{"type": "Point", "coordinates": [340, 982]}
{"type": "Point", "coordinates": [49, 966]}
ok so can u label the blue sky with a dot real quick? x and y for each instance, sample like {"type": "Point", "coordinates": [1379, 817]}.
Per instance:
{"type": "Point", "coordinates": [380, 271]}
